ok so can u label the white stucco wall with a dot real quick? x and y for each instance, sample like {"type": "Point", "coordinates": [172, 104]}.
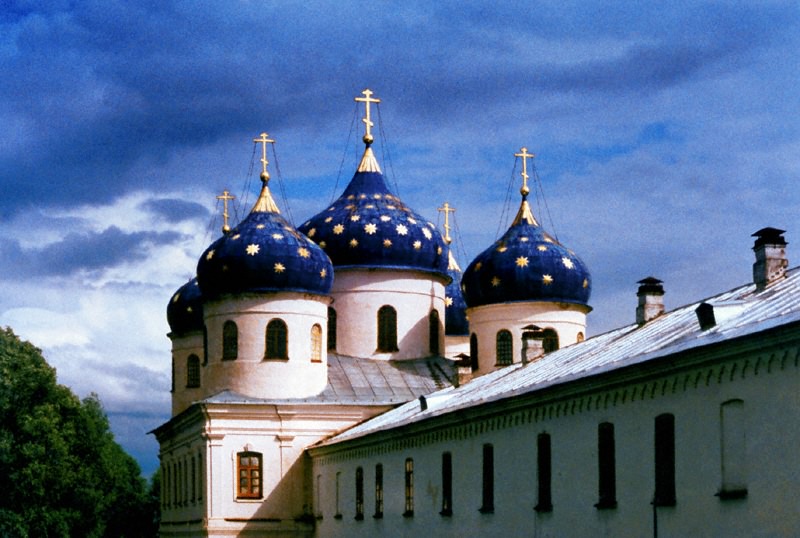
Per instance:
{"type": "Point", "coordinates": [183, 347]}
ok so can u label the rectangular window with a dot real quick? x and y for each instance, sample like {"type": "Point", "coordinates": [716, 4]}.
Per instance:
{"type": "Point", "coordinates": [733, 448]}
{"type": "Point", "coordinates": [409, 488]}
{"type": "Point", "coordinates": [359, 494]}
{"type": "Point", "coordinates": [378, 491]}
{"type": "Point", "coordinates": [447, 485]}
{"type": "Point", "coordinates": [249, 472]}
{"type": "Point", "coordinates": [487, 506]}
{"type": "Point", "coordinates": [606, 467]}
{"type": "Point", "coordinates": [665, 460]}
{"type": "Point", "coordinates": [338, 514]}
{"type": "Point", "coordinates": [543, 473]}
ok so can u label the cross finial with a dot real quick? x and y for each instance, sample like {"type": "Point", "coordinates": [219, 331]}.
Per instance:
{"type": "Point", "coordinates": [264, 139]}
{"type": "Point", "coordinates": [525, 156]}
{"type": "Point", "coordinates": [225, 197]}
{"type": "Point", "coordinates": [367, 99]}
{"type": "Point", "coordinates": [447, 209]}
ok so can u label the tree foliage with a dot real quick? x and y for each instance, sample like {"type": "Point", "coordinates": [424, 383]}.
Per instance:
{"type": "Point", "coordinates": [61, 472]}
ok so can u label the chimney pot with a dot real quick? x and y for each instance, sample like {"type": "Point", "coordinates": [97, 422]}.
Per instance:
{"type": "Point", "coordinates": [532, 343]}
{"type": "Point", "coordinates": [651, 300]}
{"type": "Point", "coordinates": [771, 262]}
{"type": "Point", "coordinates": [463, 369]}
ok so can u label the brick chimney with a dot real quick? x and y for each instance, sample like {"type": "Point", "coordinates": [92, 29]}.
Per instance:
{"type": "Point", "coordinates": [771, 262]}
{"type": "Point", "coordinates": [532, 343]}
{"type": "Point", "coordinates": [651, 300]}
{"type": "Point", "coordinates": [463, 369]}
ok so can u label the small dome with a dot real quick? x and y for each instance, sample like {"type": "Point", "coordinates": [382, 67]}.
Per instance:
{"type": "Point", "coordinates": [526, 264]}
{"type": "Point", "coordinates": [455, 313]}
{"type": "Point", "coordinates": [369, 227]}
{"type": "Point", "coordinates": [185, 309]}
{"type": "Point", "coordinates": [264, 253]}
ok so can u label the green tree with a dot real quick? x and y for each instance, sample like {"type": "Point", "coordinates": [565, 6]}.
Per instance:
{"type": "Point", "coordinates": [61, 472]}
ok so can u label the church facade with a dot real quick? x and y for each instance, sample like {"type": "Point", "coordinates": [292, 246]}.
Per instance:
{"type": "Point", "coordinates": [345, 378]}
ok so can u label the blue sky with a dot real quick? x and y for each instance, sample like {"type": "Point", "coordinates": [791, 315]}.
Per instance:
{"type": "Point", "coordinates": [665, 135]}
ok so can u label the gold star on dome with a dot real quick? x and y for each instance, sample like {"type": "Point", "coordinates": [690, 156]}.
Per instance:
{"type": "Point", "coordinates": [279, 268]}
{"type": "Point", "coordinates": [355, 218]}
{"type": "Point", "coordinates": [332, 208]}
{"type": "Point", "coordinates": [585, 282]}
{"type": "Point", "coordinates": [502, 248]}
{"type": "Point", "coordinates": [362, 196]}
{"type": "Point", "coordinates": [522, 261]}
{"type": "Point", "coordinates": [323, 244]}
{"type": "Point", "coordinates": [237, 236]}
{"type": "Point", "coordinates": [387, 243]}
{"type": "Point", "coordinates": [354, 243]}
{"type": "Point", "coordinates": [328, 219]}
{"type": "Point", "coordinates": [412, 220]}
{"type": "Point", "coordinates": [427, 233]}
{"type": "Point", "coordinates": [567, 262]}
{"type": "Point", "coordinates": [176, 297]}
{"type": "Point", "coordinates": [448, 301]}
{"type": "Point", "coordinates": [495, 282]}
{"type": "Point", "coordinates": [417, 245]}
{"type": "Point", "coordinates": [385, 218]}
{"type": "Point", "coordinates": [478, 266]}
{"type": "Point", "coordinates": [547, 280]}
{"type": "Point", "coordinates": [439, 250]}
{"type": "Point", "coordinates": [351, 197]}
{"type": "Point", "coordinates": [370, 228]}
{"type": "Point", "coordinates": [541, 248]}
{"type": "Point", "coordinates": [312, 232]}
{"type": "Point", "coordinates": [523, 239]}
{"type": "Point", "coordinates": [350, 207]}
{"type": "Point", "coordinates": [277, 236]}
{"type": "Point", "coordinates": [252, 249]}
{"type": "Point", "coordinates": [549, 239]}
{"type": "Point", "coordinates": [261, 226]}
{"type": "Point", "coordinates": [338, 229]}
{"type": "Point", "coordinates": [210, 255]}
{"type": "Point", "coordinates": [401, 229]}
{"type": "Point", "coordinates": [464, 288]}
{"type": "Point", "coordinates": [369, 206]}
{"type": "Point", "coordinates": [303, 252]}
{"type": "Point", "coordinates": [390, 207]}
{"type": "Point", "coordinates": [376, 196]}
{"type": "Point", "coordinates": [189, 309]}
{"type": "Point", "coordinates": [323, 273]}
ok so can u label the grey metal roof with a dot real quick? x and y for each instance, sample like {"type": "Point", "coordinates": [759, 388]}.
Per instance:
{"type": "Point", "coordinates": [739, 312]}
{"type": "Point", "coordinates": [359, 381]}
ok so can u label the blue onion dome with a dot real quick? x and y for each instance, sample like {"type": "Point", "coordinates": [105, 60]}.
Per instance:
{"type": "Point", "coordinates": [455, 313]}
{"type": "Point", "coordinates": [264, 253]}
{"type": "Point", "coordinates": [185, 309]}
{"type": "Point", "coordinates": [526, 264]}
{"type": "Point", "coordinates": [369, 227]}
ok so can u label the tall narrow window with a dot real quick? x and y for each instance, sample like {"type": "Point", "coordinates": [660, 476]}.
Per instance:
{"type": "Point", "coordinates": [200, 482]}
{"type": "Point", "coordinates": [487, 506]}
{"type": "Point", "coordinates": [665, 460]}
{"type": "Point", "coordinates": [504, 348]}
{"type": "Point", "coordinates": [473, 351]}
{"type": "Point", "coordinates": [543, 473]}
{"type": "Point", "coordinates": [606, 467]}
{"type": "Point", "coordinates": [359, 493]}
{"type": "Point", "coordinates": [338, 514]}
{"type": "Point", "coordinates": [192, 372]}
{"type": "Point", "coordinates": [276, 340]}
{"type": "Point", "coordinates": [194, 479]}
{"type": "Point", "coordinates": [316, 343]}
{"type": "Point", "coordinates": [205, 345]}
{"type": "Point", "coordinates": [549, 340]}
{"type": "Point", "coordinates": [230, 341]}
{"type": "Point", "coordinates": [733, 446]}
{"type": "Point", "coordinates": [387, 329]}
{"type": "Point", "coordinates": [172, 387]}
{"type": "Point", "coordinates": [434, 331]}
{"type": "Point", "coordinates": [447, 484]}
{"type": "Point", "coordinates": [378, 491]}
{"type": "Point", "coordinates": [331, 329]}
{"type": "Point", "coordinates": [249, 471]}
{"type": "Point", "coordinates": [409, 488]}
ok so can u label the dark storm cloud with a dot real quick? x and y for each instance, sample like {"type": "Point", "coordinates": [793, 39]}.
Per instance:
{"type": "Point", "coordinates": [78, 252]}
{"type": "Point", "coordinates": [174, 210]}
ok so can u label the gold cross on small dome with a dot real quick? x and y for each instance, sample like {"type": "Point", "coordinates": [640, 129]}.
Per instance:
{"type": "Point", "coordinates": [225, 197]}
{"type": "Point", "coordinates": [525, 156]}
{"type": "Point", "coordinates": [447, 209]}
{"type": "Point", "coordinates": [367, 99]}
{"type": "Point", "coordinates": [264, 140]}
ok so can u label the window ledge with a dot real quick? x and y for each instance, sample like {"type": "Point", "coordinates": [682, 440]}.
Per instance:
{"type": "Point", "coordinates": [408, 513]}
{"type": "Point", "coordinates": [731, 494]}
{"type": "Point", "coordinates": [282, 359]}
{"type": "Point", "coordinates": [543, 507]}
{"type": "Point", "coordinates": [337, 516]}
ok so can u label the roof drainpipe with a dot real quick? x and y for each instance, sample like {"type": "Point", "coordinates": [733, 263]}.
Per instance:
{"type": "Point", "coordinates": [651, 300]}
{"type": "Point", "coordinates": [532, 343]}
{"type": "Point", "coordinates": [770, 265]}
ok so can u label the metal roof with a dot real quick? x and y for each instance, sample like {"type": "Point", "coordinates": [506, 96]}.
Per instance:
{"type": "Point", "coordinates": [739, 312]}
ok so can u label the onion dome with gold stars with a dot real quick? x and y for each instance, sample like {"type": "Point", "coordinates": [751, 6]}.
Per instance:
{"type": "Point", "coordinates": [369, 227]}
{"type": "Point", "coordinates": [526, 264]}
{"type": "Point", "coordinates": [264, 253]}
{"type": "Point", "coordinates": [185, 309]}
{"type": "Point", "coordinates": [455, 313]}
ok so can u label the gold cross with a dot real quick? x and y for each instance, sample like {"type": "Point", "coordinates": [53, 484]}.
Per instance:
{"type": "Point", "coordinates": [447, 209]}
{"type": "Point", "coordinates": [525, 156]}
{"type": "Point", "coordinates": [225, 197]}
{"type": "Point", "coordinates": [367, 99]}
{"type": "Point", "coordinates": [264, 162]}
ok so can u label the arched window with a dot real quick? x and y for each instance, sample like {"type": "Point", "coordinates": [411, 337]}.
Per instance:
{"type": "Point", "coordinates": [248, 468]}
{"type": "Point", "coordinates": [331, 329]}
{"type": "Point", "coordinates": [473, 351]}
{"type": "Point", "coordinates": [504, 348]}
{"type": "Point", "coordinates": [316, 343]}
{"type": "Point", "coordinates": [434, 330]}
{"type": "Point", "coordinates": [550, 340]}
{"type": "Point", "coordinates": [387, 329]}
{"type": "Point", "coordinates": [276, 340]}
{"type": "Point", "coordinates": [230, 341]}
{"type": "Point", "coordinates": [192, 372]}
{"type": "Point", "coordinates": [580, 338]}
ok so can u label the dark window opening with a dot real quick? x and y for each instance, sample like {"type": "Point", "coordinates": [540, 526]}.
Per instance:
{"type": "Point", "coordinates": [665, 460]}
{"type": "Point", "coordinates": [409, 488]}
{"type": "Point", "coordinates": [606, 467]}
{"type": "Point", "coordinates": [331, 329]}
{"type": "Point", "coordinates": [378, 491]}
{"type": "Point", "coordinates": [277, 335]}
{"type": "Point", "coordinates": [487, 490]}
{"type": "Point", "coordinates": [549, 340]}
{"type": "Point", "coordinates": [434, 330]}
{"type": "Point", "coordinates": [230, 341]}
{"type": "Point", "coordinates": [544, 473]}
{"type": "Point", "coordinates": [473, 351]}
{"type": "Point", "coordinates": [192, 372]}
{"type": "Point", "coordinates": [504, 348]}
{"type": "Point", "coordinates": [447, 485]}
{"type": "Point", "coordinates": [359, 493]}
{"type": "Point", "coordinates": [387, 329]}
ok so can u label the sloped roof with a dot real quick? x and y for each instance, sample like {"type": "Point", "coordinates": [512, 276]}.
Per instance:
{"type": "Point", "coordinates": [740, 312]}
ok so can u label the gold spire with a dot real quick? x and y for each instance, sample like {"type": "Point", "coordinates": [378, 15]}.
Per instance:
{"type": "Point", "coordinates": [265, 203]}
{"type": "Point", "coordinates": [447, 209]}
{"type": "Point", "coordinates": [225, 197]}
{"type": "Point", "coordinates": [525, 213]}
{"type": "Point", "coordinates": [367, 99]}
